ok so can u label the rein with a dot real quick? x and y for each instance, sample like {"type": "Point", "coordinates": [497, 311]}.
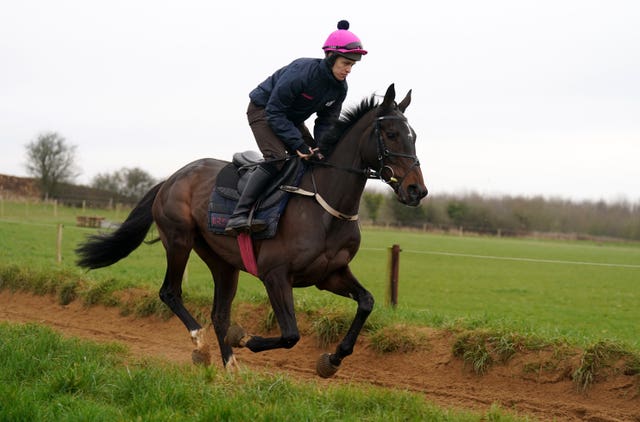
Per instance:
{"type": "Point", "coordinates": [323, 203]}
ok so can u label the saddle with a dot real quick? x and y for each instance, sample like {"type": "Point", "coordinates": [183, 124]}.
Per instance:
{"type": "Point", "coordinates": [269, 207]}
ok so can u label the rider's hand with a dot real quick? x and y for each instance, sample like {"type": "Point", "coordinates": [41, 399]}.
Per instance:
{"type": "Point", "coordinates": [306, 155]}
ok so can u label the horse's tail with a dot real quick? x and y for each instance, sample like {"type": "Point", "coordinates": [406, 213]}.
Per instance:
{"type": "Point", "coordinates": [106, 249]}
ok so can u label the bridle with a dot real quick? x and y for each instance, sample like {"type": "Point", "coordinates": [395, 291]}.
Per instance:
{"type": "Point", "coordinates": [384, 154]}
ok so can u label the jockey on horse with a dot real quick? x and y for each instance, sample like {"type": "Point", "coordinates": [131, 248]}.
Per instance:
{"type": "Point", "coordinates": [281, 104]}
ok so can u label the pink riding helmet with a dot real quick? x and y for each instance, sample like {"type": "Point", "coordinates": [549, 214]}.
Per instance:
{"type": "Point", "coordinates": [344, 43]}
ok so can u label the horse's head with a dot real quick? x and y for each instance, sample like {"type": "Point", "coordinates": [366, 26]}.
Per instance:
{"type": "Point", "coordinates": [396, 162]}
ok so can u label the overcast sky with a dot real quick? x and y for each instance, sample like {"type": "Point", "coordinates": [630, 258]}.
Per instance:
{"type": "Point", "coordinates": [509, 97]}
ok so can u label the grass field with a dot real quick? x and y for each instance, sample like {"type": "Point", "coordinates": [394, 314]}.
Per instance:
{"type": "Point", "coordinates": [580, 292]}
{"type": "Point", "coordinates": [577, 290]}
{"type": "Point", "coordinates": [45, 377]}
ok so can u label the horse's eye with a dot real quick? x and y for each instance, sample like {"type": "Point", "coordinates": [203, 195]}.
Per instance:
{"type": "Point", "coordinates": [391, 135]}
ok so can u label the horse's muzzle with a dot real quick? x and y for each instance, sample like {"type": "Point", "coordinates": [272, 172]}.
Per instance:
{"type": "Point", "coordinates": [414, 193]}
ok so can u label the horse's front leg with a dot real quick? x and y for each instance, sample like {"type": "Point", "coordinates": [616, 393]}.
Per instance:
{"type": "Point", "coordinates": [280, 294]}
{"type": "Point", "coordinates": [343, 283]}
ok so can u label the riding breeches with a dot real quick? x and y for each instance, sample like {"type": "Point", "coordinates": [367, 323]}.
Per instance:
{"type": "Point", "coordinates": [269, 143]}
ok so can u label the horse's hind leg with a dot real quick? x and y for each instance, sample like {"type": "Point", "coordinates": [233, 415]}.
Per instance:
{"type": "Point", "coordinates": [171, 294]}
{"type": "Point", "coordinates": [345, 284]}
{"type": "Point", "coordinates": [225, 279]}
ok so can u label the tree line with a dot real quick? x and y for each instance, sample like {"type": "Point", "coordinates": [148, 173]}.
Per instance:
{"type": "Point", "coordinates": [507, 215]}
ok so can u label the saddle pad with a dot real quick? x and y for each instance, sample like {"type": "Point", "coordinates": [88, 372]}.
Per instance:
{"type": "Point", "coordinates": [224, 198]}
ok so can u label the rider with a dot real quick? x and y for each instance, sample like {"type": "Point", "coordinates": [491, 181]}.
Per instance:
{"type": "Point", "coordinates": [279, 107]}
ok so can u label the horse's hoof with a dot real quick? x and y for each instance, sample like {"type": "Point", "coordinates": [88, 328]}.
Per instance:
{"type": "Point", "coordinates": [235, 336]}
{"type": "Point", "coordinates": [201, 357]}
{"type": "Point", "coordinates": [324, 367]}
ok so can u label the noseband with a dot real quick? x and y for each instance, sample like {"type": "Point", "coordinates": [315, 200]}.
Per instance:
{"type": "Point", "coordinates": [384, 154]}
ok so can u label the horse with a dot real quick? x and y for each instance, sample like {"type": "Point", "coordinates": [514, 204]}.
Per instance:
{"type": "Point", "coordinates": [317, 235]}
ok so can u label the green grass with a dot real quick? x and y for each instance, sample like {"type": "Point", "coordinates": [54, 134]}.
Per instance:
{"type": "Point", "coordinates": [46, 377]}
{"type": "Point", "coordinates": [511, 283]}
{"type": "Point", "coordinates": [581, 291]}
{"type": "Point", "coordinates": [484, 289]}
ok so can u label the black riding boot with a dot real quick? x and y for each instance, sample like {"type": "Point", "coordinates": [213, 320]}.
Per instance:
{"type": "Point", "coordinates": [238, 222]}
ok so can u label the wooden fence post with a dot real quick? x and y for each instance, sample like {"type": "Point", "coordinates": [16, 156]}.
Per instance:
{"type": "Point", "coordinates": [394, 271]}
{"type": "Point", "coordinates": [59, 245]}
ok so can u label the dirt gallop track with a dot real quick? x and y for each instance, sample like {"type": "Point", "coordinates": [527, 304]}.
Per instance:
{"type": "Point", "coordinates": [434, 373]}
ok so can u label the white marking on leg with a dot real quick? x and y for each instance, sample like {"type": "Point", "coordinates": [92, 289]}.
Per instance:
{"type": "Point", "coordinates": [232, 364]}
{"type": "Point", "coordinates": [197, 337]}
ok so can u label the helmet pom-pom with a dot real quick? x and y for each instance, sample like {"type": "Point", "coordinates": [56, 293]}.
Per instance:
{"type": "Point", "coordinates": [343, 24]}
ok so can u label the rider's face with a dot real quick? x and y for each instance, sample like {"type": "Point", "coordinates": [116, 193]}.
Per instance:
{"type": "Point", "coordinates": [342, 67]}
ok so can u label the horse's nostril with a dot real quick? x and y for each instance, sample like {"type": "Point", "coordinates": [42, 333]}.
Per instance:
{"type": "Point", "coordinates": [416, 193]}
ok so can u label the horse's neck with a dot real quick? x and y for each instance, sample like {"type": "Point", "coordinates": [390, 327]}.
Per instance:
{"type": "Point", "coordinates": [340, 188]}
{"type": "Point", "coordinates": [343, 181]}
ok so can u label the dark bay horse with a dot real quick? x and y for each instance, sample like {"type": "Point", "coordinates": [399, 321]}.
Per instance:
{"type": "Point", "coordinates": [313, 244]}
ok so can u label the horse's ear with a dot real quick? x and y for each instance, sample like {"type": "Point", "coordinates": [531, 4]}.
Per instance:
{"type": "Point", "coordinates": [405, 103]}
{"type": "Point", "coordinates": [389, 97]}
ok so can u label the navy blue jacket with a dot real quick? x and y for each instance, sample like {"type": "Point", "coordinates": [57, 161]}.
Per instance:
{"type": "Point", "coordinates": [293, 93]}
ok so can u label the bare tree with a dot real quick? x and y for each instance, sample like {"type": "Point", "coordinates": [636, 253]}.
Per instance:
{"type": "Point", "coordinates": [136, 182]}
{"type": "Point", "coordinates": [129, 182]}
{"type": "Point", "coordinates": [51, 160]}
{"type": "Point", "coordinates": [109, 182]}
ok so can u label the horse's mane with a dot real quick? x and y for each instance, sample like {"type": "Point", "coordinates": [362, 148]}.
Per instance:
{"type": "Point", "coordinates": [348, 118]}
